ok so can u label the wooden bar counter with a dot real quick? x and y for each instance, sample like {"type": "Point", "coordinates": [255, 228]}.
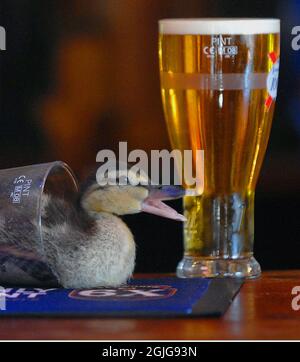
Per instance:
{"type": "Point", "coordinates": [262, 310]}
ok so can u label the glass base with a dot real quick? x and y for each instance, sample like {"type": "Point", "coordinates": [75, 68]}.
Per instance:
{"type": "Point", "coordinates": [192, 267]}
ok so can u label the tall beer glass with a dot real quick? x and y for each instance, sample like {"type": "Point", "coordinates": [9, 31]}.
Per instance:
{"type": "Point", "coordinates": [219, 83]}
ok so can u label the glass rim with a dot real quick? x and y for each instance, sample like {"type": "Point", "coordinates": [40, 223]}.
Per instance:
{"type": "Point", "coordinates": [211, 26]}
{"type": "Point", "coordinates": [69, 172]}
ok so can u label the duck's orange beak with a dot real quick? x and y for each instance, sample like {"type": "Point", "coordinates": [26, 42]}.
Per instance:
{"type": "Point", "coordinates": [153, 203]}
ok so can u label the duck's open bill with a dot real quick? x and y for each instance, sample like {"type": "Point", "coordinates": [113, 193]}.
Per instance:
{"type": "Point", "coordinates": [154, 205]}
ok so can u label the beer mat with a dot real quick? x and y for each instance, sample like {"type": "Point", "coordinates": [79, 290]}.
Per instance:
{"type": "Point", "coordinates": [155, 297]}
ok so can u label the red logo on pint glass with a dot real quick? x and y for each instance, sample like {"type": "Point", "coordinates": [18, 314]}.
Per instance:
{"type": "Point", "coordinates": [272, 79]}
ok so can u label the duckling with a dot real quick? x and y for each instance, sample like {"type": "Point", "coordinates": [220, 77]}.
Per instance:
{"type": "Point", "coordinates": [87, 244]}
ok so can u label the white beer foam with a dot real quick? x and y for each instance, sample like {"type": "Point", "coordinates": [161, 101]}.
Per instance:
{"type": "Point", "coordinates": [210, 26]}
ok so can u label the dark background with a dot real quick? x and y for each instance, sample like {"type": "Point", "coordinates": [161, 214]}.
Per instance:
{"type": "Point", "coordinates": [79, 76]}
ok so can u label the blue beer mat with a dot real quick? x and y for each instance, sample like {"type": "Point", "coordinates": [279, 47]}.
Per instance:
{"type": "Point", "coordinates": [165, 297]}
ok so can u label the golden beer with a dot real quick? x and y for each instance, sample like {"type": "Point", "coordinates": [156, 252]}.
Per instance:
{"type": "Point", "coordinates": [219, 83]}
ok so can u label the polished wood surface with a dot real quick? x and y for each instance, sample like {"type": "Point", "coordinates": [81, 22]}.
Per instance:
{"type": "Point", "coordinates": [262, 310]}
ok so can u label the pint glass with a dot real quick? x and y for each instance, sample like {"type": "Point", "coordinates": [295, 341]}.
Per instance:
{"type": "Point", "coordinates": [219, 84]}
{"type": "Point", "coordinates": [22, 190]}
